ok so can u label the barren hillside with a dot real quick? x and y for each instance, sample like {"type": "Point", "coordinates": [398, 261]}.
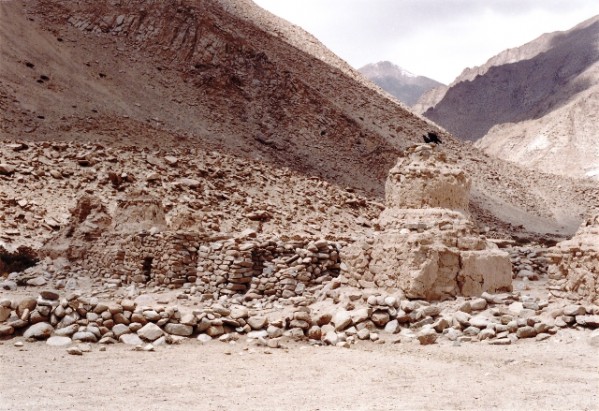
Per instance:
{"type": "Point", "coordinates": [535, 105]}
{"type": "Point", "coordinates": [219, 77]}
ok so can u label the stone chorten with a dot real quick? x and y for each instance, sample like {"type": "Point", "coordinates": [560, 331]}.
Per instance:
{"type": "Point", "coordinates": [427, 247]}
{"type": "Point", "coordinates": [574, 272]}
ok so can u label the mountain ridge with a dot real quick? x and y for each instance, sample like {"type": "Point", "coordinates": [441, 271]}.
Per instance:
{"type": "Point", "coordinates": [530, 104]}
{"type": "Point", "coordinates": [400, 83]}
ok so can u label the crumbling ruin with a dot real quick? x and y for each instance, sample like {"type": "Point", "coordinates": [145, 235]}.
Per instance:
{"type": "Point", "coordinates": [137, 246]}
{"type": "Point", "coordinates": [427, 247]}
{"type": "Point", "coordinates": [574, 272]}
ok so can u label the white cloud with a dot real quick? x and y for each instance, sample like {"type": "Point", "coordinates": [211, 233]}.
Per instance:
{"type": "Point", "coordinates": [436, 38]}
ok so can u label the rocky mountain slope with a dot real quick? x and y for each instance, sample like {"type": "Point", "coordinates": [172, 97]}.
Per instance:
{"type": "Point", "coordinates": [97, 92]}
{"type": "Point", "coordinates": [535, 105]}
{"type": "Point", "coordinates": [400, 83]}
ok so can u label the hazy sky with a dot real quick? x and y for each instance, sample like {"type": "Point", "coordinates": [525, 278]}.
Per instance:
{"type": "Point", "coordinates": [434, 38]}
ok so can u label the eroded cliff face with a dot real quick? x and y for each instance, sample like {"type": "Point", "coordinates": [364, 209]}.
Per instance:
{"type": "Point", "coordinates": [426, 246]}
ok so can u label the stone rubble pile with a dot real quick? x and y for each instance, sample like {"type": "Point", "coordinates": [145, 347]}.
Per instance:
{"type": "Point", "coordinates": [427, 247]}
{"type": "Point", "coordinates": [43, 181]}
{"type": "Point", "coordinates": [574, 270]}
{"type": "Point", "coordinates": [498, 319]}
{"type": "Point", "coordinates": [530, 262]}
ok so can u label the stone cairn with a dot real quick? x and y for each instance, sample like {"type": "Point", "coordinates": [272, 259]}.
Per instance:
{"type": "Point", "coordinates": [574, 269]}
{"type": "Point", "coordinates": [427, 247]}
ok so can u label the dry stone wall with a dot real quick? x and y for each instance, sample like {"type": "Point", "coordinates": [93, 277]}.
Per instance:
{"type": "Point", "coordinates": [161, 259]}
{"type": "Point", "coordinates": [255, 268]}
{"type": "Point", "coordinates": [266, 266]}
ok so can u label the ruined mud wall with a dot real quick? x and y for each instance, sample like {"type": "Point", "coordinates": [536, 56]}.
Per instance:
{"type": "Point", "coordinates": [574, 271]}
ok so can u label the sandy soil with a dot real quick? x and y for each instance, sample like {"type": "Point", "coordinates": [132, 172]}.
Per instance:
{"type": "Point", "coordinates": [561, 373]}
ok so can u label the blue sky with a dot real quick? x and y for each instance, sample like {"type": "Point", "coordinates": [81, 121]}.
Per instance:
{"type": "Point", "coordinates": [435, 38]}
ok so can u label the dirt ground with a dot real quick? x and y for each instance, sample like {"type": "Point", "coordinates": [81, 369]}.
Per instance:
{"type": "Point", "coordinates": [560, 373]}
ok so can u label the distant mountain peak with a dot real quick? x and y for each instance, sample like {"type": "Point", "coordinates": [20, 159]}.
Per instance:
{"type": "Point", "coordinates": [407, 87]}
{"type": "Point", "coordinates": [385, 68]}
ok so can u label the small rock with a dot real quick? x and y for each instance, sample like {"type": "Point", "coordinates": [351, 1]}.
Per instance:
{"type": "Point", "coordinates": [360, 315]}
{"type": "Point", "coordinates": [37, 281]}
{"type": "Point", "coordinates": [6, 169]}
{"type": "Point", "coordinates": [130, 339]}
{"type": "Point", "coordinates": [57, 341]}
{"type": "Point", "coordinates": [315, 333]}
{"type": "Point", "coordinates": [239, 312]}
{"type": "Point", "coordinates": [341, 320]}
{"type": "Point", "coordinates": [323, 319]}
{"type": "Point", "coordinates": [84, 336]}
{"type": "Point", "coordinates": [257, 322]}
{"type": "Point", "coordinates": [257, 334]}
{"type": "Point", "coordinates": [6, 330]}
{"type": "Point", "coordinates": [574, 309]}
{"type": "Point", "coordinates": [380, 318]}
{"type": "Point", "coordinates": [190, 182]}
{"type": "Point", "coordinates": [526, 332]}
{"type": "Point", "coordinates": [478, 304]}
{"type": "Point", "coordinates": [120, 329]}
{"type": "Point", "coordinates": [204, 338]}
{"type": "Point", "coordinates": [427, 336]}
{"type": "Point", "coordinates": [39, 331]}
{"type": "Point", "coordinates": [331, 338]}
{"type": "Point", "coordinates": [49, 295]}
{"type": "Point", "coordinates": [179, 329]}
{"type": "Point", "coordinates": [589, 321]}
{"type": "Point", "coordinates": [363, 334]}
{"type": "Point", "coordinates": [274, 332]}
{"type": "Point", "coordinates": [274, 343]}
{"type": "Point", "coordinates": [452, 334]}
{"type": "Point", "coordinates": [74, 351]}
{"type": "Point", "coordinates": [85, 347]}
{"type": "Point", "coordinates": [485, 334]}
{"type": "Point", "coordinates": [392, 327]}
{"type": "Point", "coordinates": [215, 330]}
{"type": "Point", "coordinates": [150, 332]}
